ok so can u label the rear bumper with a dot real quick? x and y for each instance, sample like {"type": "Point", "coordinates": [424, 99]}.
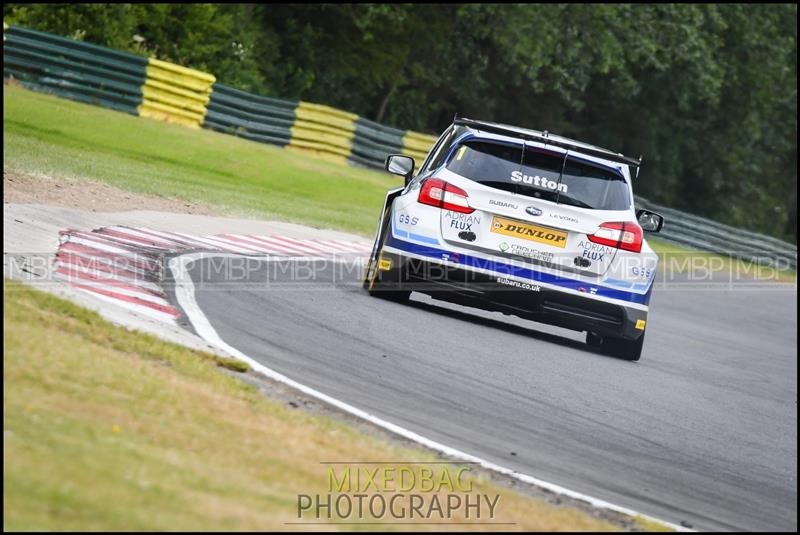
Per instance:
{"type": "Point", "coordinates": [510, 295]}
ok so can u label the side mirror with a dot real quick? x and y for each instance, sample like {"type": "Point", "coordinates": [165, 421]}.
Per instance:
{"type": "Point", "coordinates": [400, 164]}
{"type": "Point", "coordinates": [649, 221]}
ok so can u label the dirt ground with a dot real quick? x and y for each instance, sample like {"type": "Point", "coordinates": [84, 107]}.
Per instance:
{"type": "Point", "coordinates": [89, 196]}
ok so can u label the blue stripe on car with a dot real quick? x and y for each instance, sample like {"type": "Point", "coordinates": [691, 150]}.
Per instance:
{"type": "Point", "coordinates": [617, 282]}
{"type": "Point", "coordinates": [418, 237]}
{"type": "Point", "coordinates": [516, 271]}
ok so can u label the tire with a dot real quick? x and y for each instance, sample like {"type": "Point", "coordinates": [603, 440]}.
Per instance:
{"type": "Point", "coordinates": [375, 287]}
{"type": "Point", "coordinates": [619, 347]}
{"type": "Point", "coordinates": [370, 284]}
{"type": "Point", "coordinates": [372, 265]}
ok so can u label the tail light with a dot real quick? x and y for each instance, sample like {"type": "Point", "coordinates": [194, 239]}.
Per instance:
{"type": "Point", "coordinates": [437, 192]}
{"type": "Point", "coordinates": [622, 235]}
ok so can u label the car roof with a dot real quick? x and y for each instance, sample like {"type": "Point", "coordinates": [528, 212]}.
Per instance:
{"type": "Point", "coordinates": [516, 132]}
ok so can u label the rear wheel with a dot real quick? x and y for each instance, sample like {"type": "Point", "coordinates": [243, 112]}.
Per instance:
{"type": "Point", "coordinates": [372, 275]}
{"type": "Point", "coordinates": [372, 267]}
{"type": "Point", "coordinates": [618, 347]}
{"type": "Point", "coordinates": [378, 288]}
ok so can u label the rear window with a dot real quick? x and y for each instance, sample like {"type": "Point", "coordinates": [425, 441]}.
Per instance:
{"type": "Point", "coordinates": [582, 184]}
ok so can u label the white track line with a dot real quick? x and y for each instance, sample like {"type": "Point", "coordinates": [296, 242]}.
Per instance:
{"type": "Point", "coordinates": [184, 292]}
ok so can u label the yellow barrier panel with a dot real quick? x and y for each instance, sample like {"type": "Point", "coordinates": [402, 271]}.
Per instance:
{"type": "Point", "coordinates": [417, 145]}
{"type": "Point", "coordinates": [175, 94]}
{"type": "Point", "coordinates": [323, 131]}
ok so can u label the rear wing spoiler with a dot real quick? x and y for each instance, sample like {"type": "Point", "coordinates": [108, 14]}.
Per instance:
{"type": "Point", "coordinates": [544, 138]}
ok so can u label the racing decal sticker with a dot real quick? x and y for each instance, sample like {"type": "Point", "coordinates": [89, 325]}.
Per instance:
{"type": "Point", "coordinates": [641, 272]}
{"type": "Point", "coordinates": [527, 252]}
{"type": "Point", "coordinates": [462, 221]}
{"type": "Point", "coordinates": [406, 234]}
{"type": "Point", "coordinates": [405, 219]}
{"type": "Point", "coordinates": [527, 231]}
{"type": "Point", "coordinates": [503, 204]}
{"type": "Point", "coordinates": [532, 210]}
{"type": "Point", "coordinates": [562, 217]}
{"type": "Point", "coordinates": [595, 251]}
{"type": "Point", "coordinates": [517, 284]}
{"type": "Point", "coordinates": [540, 181]}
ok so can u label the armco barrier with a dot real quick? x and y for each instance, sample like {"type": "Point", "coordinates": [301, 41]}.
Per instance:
{"type": "Point", "coordinates": [157, 89]}
{"type": "Point", "coordinates": [175, 94]}
{"type": "Point", "coordinates": [104, 77]}
{"type": "Point", "coordinates": [373, 141]}
{"type": "Point", "coordinates": [703, 234]}
{"type": "Point", "coordinates": [417, 145]}
{"type": "Point", "coordinates": [324, 131]}
{"type": "Point", "coordinates": [73, 69]}
{"type": "Point", "coordinates": [263, 119]}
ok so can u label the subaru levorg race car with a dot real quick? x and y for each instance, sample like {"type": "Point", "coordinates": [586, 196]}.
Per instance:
{"type": "Point", "coordinates": [525, 223]}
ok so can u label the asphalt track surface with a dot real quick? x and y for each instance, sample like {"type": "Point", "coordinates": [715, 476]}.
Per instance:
{"type": "Point", "coordinates": [703, 429]}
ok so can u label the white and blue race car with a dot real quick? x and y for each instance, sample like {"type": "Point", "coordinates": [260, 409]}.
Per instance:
{"type": "Point", "coordinates": [525, 223]}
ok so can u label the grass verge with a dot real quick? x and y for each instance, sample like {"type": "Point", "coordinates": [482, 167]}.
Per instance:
{"type": "Point", "coordinates": [46, 135]}
{"type": "Point", "coordinates": [109, 429]}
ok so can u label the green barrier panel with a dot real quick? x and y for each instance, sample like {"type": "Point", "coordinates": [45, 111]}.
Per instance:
{"type": "Point", "coordinates": [417, 145]}
{"type": "Point", "coordinates": [74, 69]}
{"type": "Point", "coordinates": [88, 50]}
{"type": "Point", "coordinates": [264, 119]}
{"type": "Point", "coordinates": [24, 62]}
{"type": "Point", "coordinates": [81, 95]}
{"type": "Point", "coordinates": [244, 99]}
{"type": "Point", "coordinates": [373, 142]}
{"type": "Point", "coordinates": [54, 56]}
